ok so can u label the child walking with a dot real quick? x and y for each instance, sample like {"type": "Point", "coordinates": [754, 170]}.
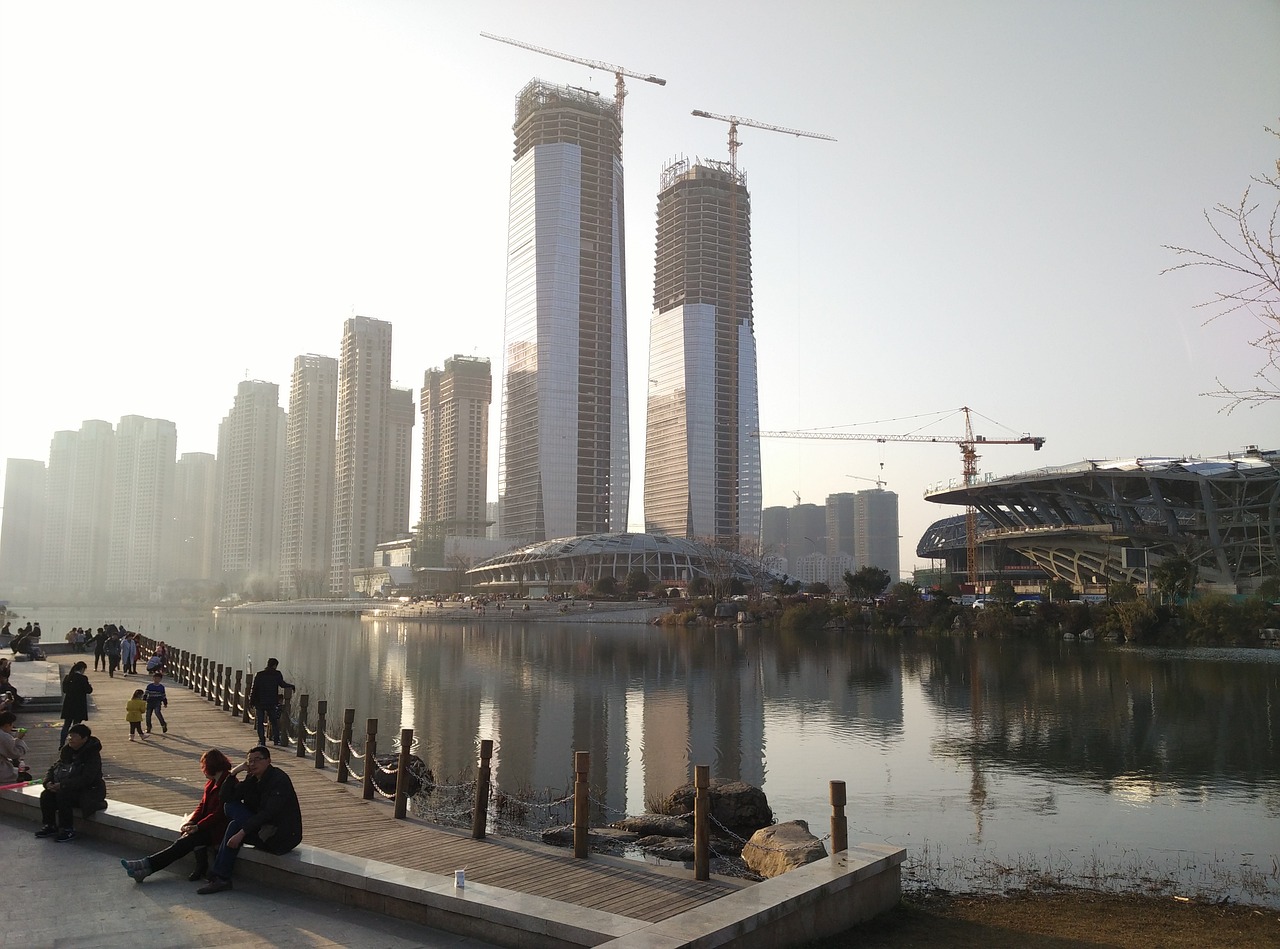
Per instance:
{"type": "Point", "coordinates": [133, 710]}
{"type": "Point", "coordinates": [156, 697]}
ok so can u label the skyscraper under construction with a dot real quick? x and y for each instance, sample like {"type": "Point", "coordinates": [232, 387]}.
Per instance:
{"type": "Point", "coordinates": [564, 468]}
{"type": "Point", "coordinates": [702, 467]}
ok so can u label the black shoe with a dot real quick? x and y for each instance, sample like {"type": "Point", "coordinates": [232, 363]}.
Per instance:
{"type": "Point", "coordinates": [199, 873]}
{"type": "Point", "coordinates": [48, 830]}
{"type": "Point", "coordinates": [64, 836]}
{"type": "Point", "coordinates": [215, 885]}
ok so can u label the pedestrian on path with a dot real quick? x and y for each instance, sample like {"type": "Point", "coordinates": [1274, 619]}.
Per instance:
{"type": "Point", "coordinates": [264, 696]}
{"type": "Point", "coordinates": [133, 710]}
{"type": "Point", "coordinates": [99, 649]}
{"type": "Point", "coordinates": [204, 828]}
{"type": "Point", "coordinates": [13, 749]}
{"type": "Point", "coordinates": [75, 699]}
{"type": "Point", "coordinates": [262, 810]}
{"type": "Point", "coordinates": [156, 697]}
{"type": "Point", "coordinates": [112, 650]}
{"type": "Point", "coordinates": [129, 654]}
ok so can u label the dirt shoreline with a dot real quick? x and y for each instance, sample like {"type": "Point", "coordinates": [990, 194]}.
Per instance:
{"type": "Point", "coordinates": [1061, 919]}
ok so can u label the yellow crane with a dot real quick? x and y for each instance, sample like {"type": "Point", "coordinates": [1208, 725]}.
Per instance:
{"type": "Point", "coordinates": [968, 443]}
{"type": "Point", "coordinates": [620, 87]}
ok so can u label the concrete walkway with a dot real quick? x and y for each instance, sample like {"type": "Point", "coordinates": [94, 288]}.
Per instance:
{"type": "Point", "coordinates": [75, 894]}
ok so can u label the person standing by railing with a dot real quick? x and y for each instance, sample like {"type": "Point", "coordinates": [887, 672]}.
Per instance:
{"type": "Point", "coordinates": [264, 696]}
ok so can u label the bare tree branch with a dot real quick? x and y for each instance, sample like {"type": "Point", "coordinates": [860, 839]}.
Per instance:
{"type": "Point", "coordinates": [1254, 255]}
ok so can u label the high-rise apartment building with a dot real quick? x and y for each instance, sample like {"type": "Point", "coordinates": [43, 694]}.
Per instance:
{"type": "Point", "coordinates": [360, 516]}
{"type": "Point", "coordinates": [22, 526]}
{"type": "Point", "coordinates": [78, 512]}
{"type": "Point", "coordinates": [876, 531]}
{"type": "Point", "coordinates": [196, 516]}
{"type": "Point", "coordinates": [702, 466]}
{"type": "Point", "coordinates": [142, 511]}
{"type": "Point", "coordinates": [397, 465]}
{"type": "Point", "coordinates": [250, 482]}
{"type": "Point", "coordinates": [306, 539]}
{"type": "Point", "coordinates": [455, 447]}
{"type": "Point", "coordinates": [564, 467]}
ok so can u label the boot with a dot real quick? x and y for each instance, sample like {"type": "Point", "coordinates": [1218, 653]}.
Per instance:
{"type": "Point", "coordinates": [201, 872]}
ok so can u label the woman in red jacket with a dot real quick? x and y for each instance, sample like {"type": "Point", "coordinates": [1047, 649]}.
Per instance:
{"type": "Point", "coordinates": [203, 829]}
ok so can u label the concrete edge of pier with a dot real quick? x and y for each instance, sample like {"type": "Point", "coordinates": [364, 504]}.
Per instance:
{"type": "Point", "coordinates": [813, 901]}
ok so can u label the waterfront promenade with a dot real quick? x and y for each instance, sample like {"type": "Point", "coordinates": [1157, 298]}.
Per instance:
{"type": "Point", "coordinates": [356, 854]}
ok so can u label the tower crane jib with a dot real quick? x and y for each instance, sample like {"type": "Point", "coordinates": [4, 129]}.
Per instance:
{"type": "Point", "coordinates": [968, 444]}
{"type": "Point", "coordinates": [620, 88]}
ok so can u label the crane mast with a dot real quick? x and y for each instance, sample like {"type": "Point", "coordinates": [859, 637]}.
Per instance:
{"type": "Point", "coordinates": [620, 87]}
{"type": "Point", "coordinates": [968, 443]}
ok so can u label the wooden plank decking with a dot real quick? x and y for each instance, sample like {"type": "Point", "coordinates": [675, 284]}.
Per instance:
{"type": "Point", "coordinates": [164, 774]}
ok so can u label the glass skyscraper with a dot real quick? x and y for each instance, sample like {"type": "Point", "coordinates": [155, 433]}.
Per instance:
{"type": "Point", "coordinates": [702, 467]}
{"type": "Point", "coordinates": [564, 468]}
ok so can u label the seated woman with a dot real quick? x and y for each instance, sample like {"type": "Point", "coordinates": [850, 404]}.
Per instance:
{"type": "Point", "coordinates": [204, 827]}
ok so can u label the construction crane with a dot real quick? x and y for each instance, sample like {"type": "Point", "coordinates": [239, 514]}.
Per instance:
{"type": "Point", "coordinates": [620, 87]}
{"type": "Point", "coordinates": [969, 454]}
{"type": "Point", "coordinates": [878, 482]}
{"type": "Point", "coordinates": [736, 120]}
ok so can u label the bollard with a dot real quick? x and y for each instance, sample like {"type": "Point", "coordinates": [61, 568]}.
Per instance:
{"type": "Point", "coordinates": [238, 697]}
{"type": "Point", "coordinates": [370, 754]}
{"type": "Point", "coordinates": [402, 774]}
{"type": "Point", "coordinates": [214, 681]}
{"type": "Point", "coordinates": [322, 708]}
{"type": "Point", "coordinates": [226, 689]}
{"type": "Point", "coordinates": [480, 812]}
{"type": "Point", "coordinates": [244, 698]}
{"type": "Point", "coordinates": [302, 724]}
{"type": "Point", "coordinates": [344, 753]}
{"type": "Point", "coordinates": [701, 822]}
{"type": "Point", "coordinates": [839, 823]}
{"type": "Point", "coordinates": [581, 767]}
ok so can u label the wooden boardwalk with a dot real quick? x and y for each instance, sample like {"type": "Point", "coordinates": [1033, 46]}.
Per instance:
{"type": "Point", "coordinates": [164, 774]}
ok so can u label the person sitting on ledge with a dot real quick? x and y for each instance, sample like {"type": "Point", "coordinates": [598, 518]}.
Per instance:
{"type": "Point", "coordinates": [74, 781]}
{"type": "Point", "coordinates": [205, 827]}
{"type": "Point", "coordinates": [262, 810]}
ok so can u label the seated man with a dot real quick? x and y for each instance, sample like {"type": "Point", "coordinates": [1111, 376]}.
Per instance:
{"type": "Point", "coordinates": [262, 810]}
{"type": "Point", "coordinates": [74, 781]}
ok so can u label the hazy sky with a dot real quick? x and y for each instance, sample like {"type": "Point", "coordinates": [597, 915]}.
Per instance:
{"type": "Point", "coordinates": [193, 193]}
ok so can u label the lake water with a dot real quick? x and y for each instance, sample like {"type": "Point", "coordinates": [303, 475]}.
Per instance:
{"type": "Point", "coordinates": [995, 762]}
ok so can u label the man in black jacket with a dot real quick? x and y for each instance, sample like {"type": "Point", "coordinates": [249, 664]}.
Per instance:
{"type": "Point", "coordinates": [264, 696]}
{"type": "Point", "coordinates": [75, 781]}
{"type": "Point", "coordinates": [263, 811]}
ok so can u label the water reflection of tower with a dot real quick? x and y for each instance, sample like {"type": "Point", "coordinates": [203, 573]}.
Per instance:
{"type": "Point", "coordinates": [978, 779]}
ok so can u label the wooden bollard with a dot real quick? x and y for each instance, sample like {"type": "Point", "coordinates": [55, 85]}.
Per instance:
{"type": "Point", "coordinates": [344, 753]}
{"type": "Point", "coordinates": [215, 681]}
{"type": "Point", "coordinates": [303, 700]}
{"type": "Point", "coordinates": [402, 774]}
{"type": "Point", "coordinates": [226, 689]}
{"type": "Point", "coordinates": [480, 812]}
{"type": "Point", "coordinates": [701, 822]}
{"type": "Point", "coordinates": [238, 697]}
{"type": "Point", "coordinates": [581, 801]}
{"type": "Point", "coordinates": [839, 823]}
{"type": "Point", "coordinates": [322, 709]}
{"type": "Point", "coordinates": [370, 756]}
{"type": "Point", "coordinates": [244, 698]}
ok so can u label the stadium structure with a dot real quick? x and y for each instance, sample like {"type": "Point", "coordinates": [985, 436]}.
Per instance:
{"type": "Point", "coordinates": [1076, 522]}
{"type": "Point", "coordinates": [558, 566]}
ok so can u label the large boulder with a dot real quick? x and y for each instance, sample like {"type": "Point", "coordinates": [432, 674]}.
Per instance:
{"type": "Point", "coordinates": [782, 847]}
{"type": "Point", "coordinates": [737, 806]}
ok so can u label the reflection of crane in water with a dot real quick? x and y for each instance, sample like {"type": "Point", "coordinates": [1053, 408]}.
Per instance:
{"type": "Point", "coordinates": [978, 780]}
